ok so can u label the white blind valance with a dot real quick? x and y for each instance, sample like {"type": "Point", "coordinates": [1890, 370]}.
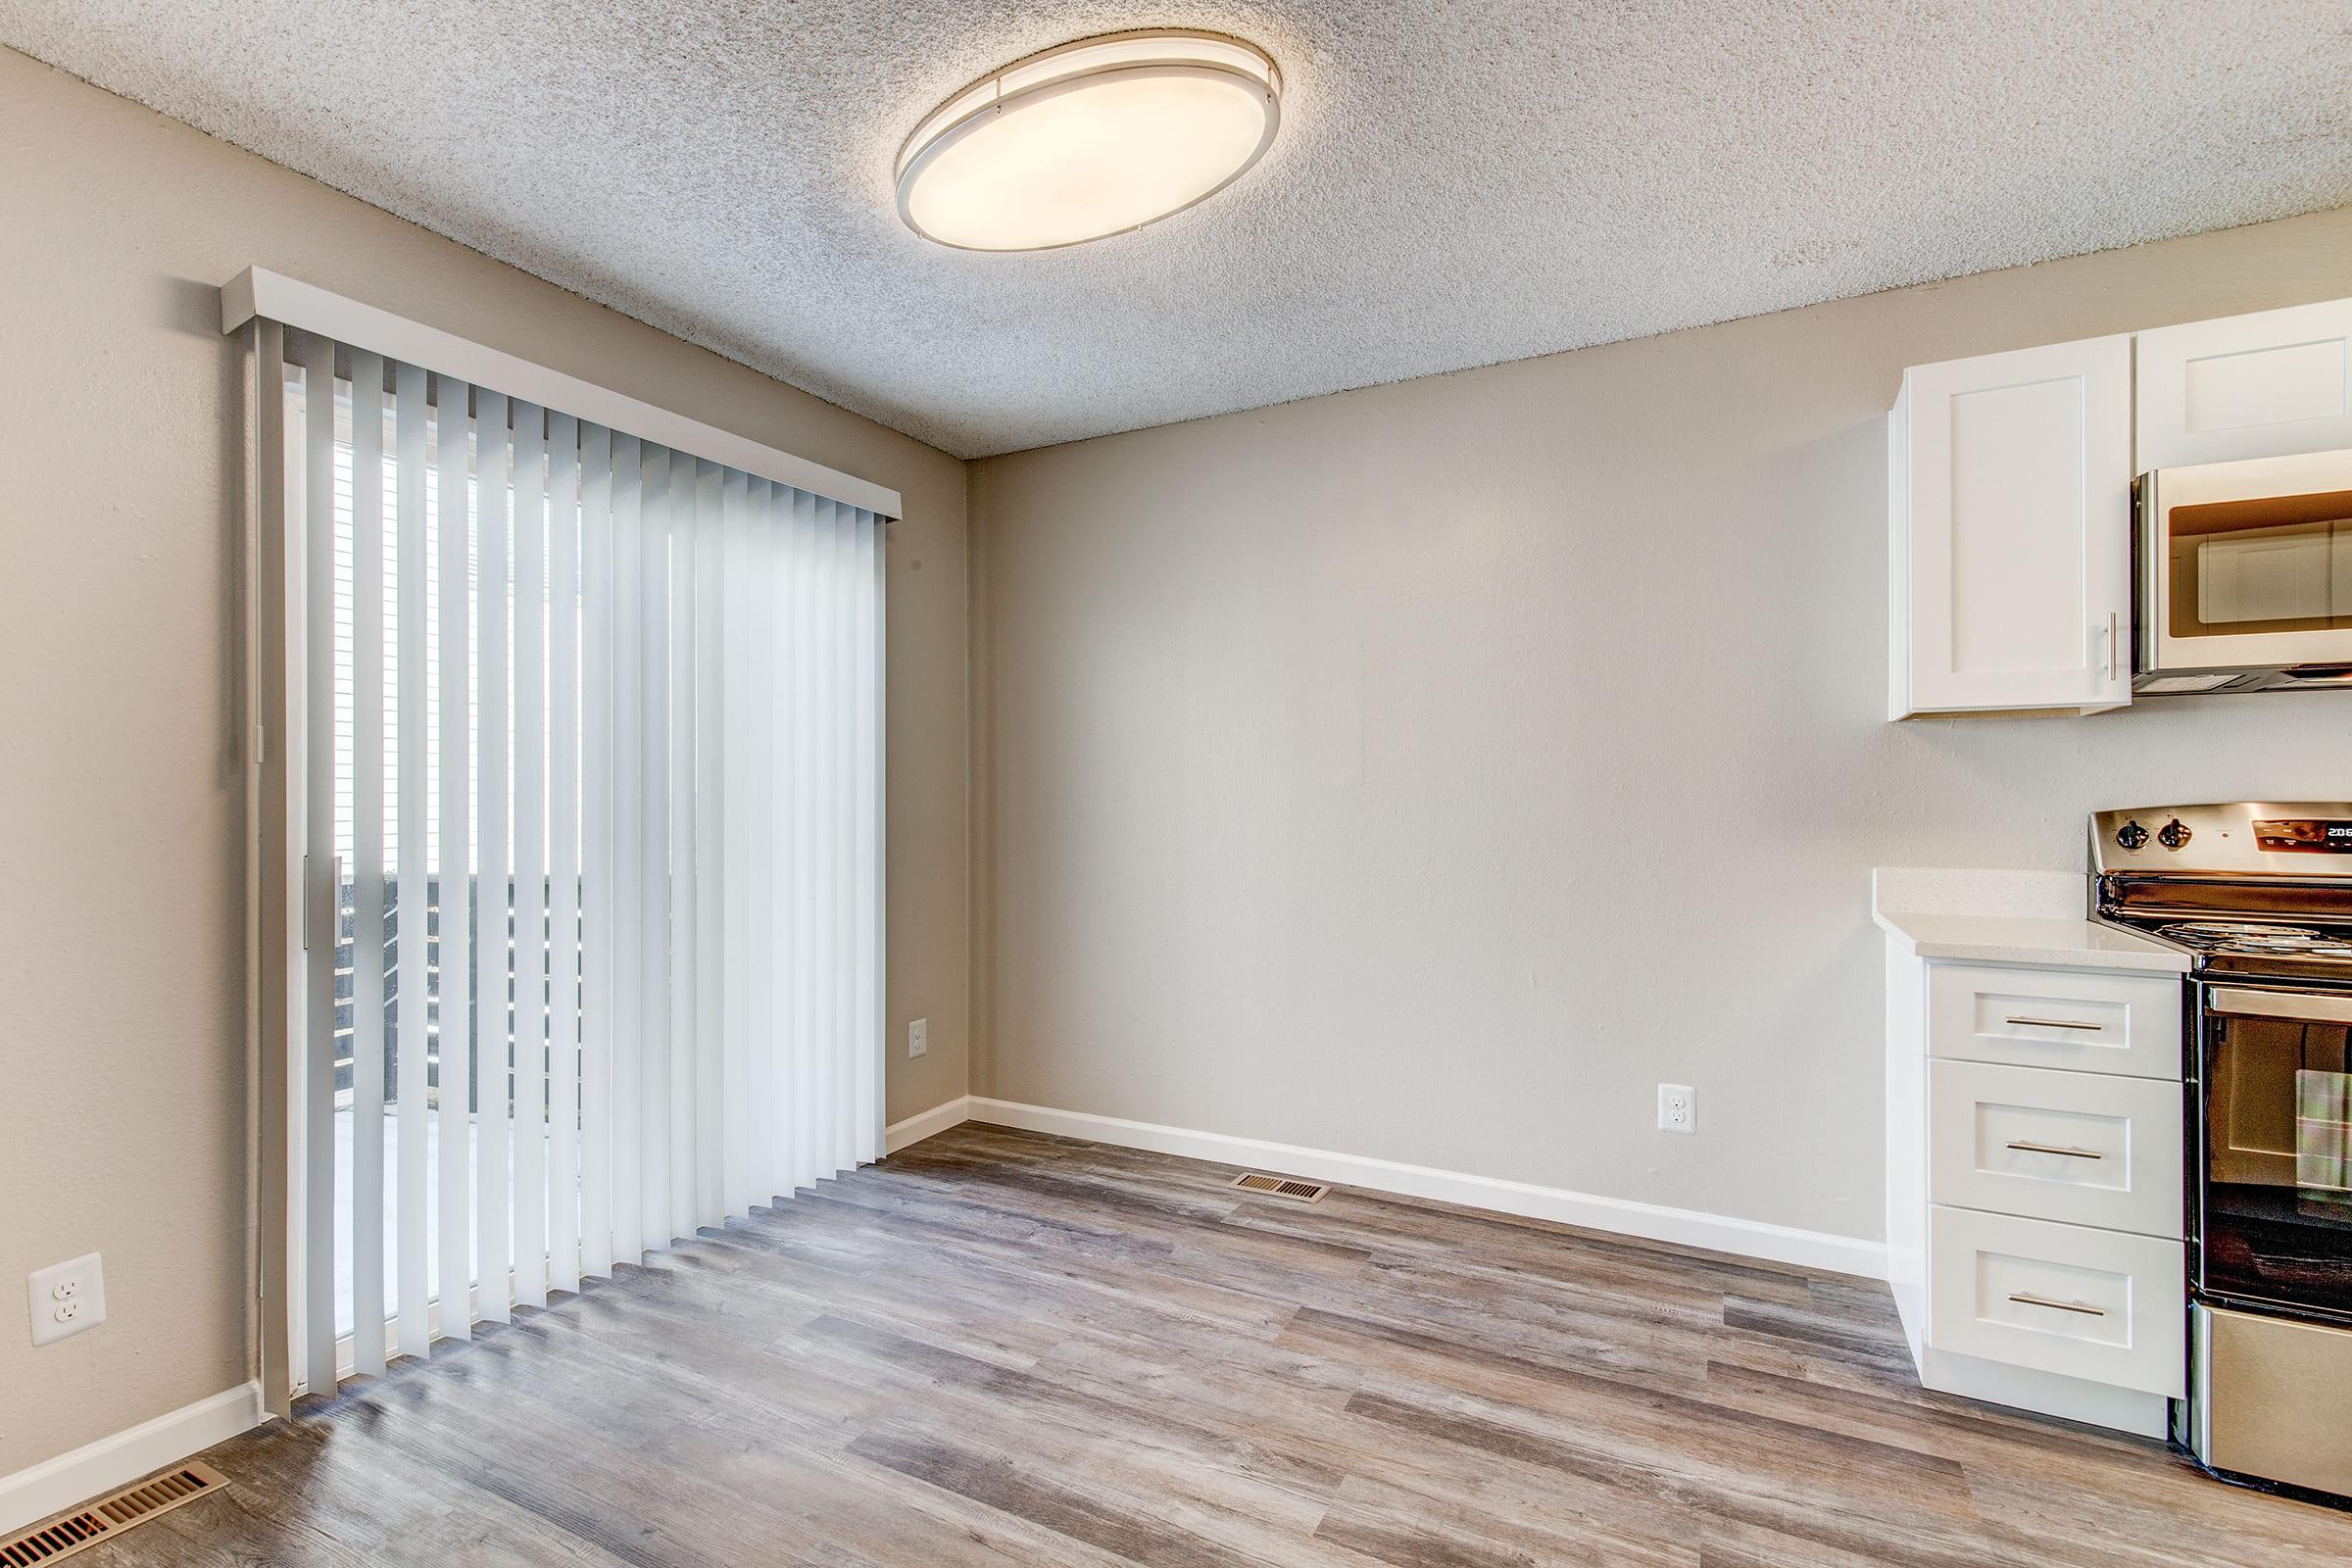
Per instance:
{"type": "Point", "coordinates": [592, 820]}
{"type": "Point", "coordinates": [260, 294]}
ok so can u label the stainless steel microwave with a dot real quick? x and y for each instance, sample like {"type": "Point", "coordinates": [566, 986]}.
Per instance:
{"type": "Point", "coordinates": [2244, 575]}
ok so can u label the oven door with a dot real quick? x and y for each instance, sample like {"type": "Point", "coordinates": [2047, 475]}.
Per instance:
{"type": "Point", "coordinates": [2246, 566]}
{"type": "Point", "coordinates": [2275, 1147]}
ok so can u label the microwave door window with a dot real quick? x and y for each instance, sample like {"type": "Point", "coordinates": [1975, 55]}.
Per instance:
{"type": "Point", "coordinates": [2283, 574]}
{"type": "Point", "coordinates": [2279, 564]}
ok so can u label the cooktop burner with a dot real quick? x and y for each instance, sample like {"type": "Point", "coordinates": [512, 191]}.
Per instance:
{"type": "Point", "coordinates": [2250, 937]}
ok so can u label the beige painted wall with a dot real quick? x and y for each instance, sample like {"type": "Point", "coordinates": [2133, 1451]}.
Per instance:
{"type": "Point", "coordinates": [122, 1057]}
{"type": "Point", "coordinates": [1427, 772]}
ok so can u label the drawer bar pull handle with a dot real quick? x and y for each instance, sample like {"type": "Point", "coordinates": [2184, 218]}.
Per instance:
{"type": "Point", "coordinates": [2056, 1023]}
{"type": "Point", "coordinates": [2026, 1298]}
{"type": "Point", "coordinates": [2024, 1146]}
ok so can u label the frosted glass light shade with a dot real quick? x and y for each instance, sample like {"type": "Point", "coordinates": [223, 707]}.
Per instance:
{"type": "Point", "coordinates": [1089, 139]}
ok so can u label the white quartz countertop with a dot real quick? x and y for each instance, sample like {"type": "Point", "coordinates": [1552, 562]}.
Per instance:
{"type": "Point", "coordinates": [2007, 918]}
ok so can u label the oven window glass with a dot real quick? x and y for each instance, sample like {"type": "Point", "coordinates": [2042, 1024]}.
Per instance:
{"type": "Point", "coordinates": [2279, 1160]}
{"type": "Point", "coordinates": [2276, 563]}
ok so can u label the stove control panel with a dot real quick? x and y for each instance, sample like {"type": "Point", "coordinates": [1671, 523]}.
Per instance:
{"type": "Point", "coordinates": [2241, 839]}
{"type": "Point", "coordinates": [2303, 835]}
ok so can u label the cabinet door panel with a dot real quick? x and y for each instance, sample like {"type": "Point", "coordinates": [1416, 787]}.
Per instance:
{"type": "Point", "coordinates": [2265, 385]}
{"type": "Point", "coordinates": [2019, 531]}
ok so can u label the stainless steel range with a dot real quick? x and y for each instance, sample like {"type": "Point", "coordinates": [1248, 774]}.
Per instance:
{"type": "Point", "coordinates": [2261, 893]}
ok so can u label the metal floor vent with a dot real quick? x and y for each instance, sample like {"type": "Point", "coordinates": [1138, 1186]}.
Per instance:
{"type": "Point", "coordinates": [110, 1516]}
{"type": "Point", "coordinates": [1258, 1181]}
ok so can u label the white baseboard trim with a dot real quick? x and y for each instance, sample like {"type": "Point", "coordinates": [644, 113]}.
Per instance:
{"type": "Point", "coordinates": [1685, 1227]}
{"type": "Point", "coordinates": [927, 1123]}
{"type": "Point", "coordinates": [56, 1485]}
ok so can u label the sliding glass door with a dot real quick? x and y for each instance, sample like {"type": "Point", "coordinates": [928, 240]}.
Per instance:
{"type": "Point", "coordinates": [590, 832]}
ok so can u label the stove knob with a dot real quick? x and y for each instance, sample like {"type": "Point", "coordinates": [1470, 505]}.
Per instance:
{"type": "Point", "coordinates": [2173, 834]}
{"type": "Point", "coordinates": [2131, 836]}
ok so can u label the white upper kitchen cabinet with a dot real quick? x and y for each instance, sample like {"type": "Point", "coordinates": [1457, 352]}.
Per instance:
{"type": "Point", "coordinates": [2009, 507]}
{"type": "Point", "coordinates": [2265, 385]}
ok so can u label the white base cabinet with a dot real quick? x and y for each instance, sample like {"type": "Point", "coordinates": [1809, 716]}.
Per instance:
{"type": "Point", "coordinates": [2009, 512]}
{"type": "Point", "coordinates": [2034, 1185]}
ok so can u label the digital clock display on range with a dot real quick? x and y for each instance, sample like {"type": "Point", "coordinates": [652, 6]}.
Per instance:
{"type": "Point", "coordinates": [2304, 835]}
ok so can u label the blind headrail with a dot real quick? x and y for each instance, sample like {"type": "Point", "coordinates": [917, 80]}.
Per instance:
{"type": "Point", "coordinates": [275, 297]}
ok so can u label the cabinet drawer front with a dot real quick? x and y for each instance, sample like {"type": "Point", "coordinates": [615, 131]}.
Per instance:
{"type": "Point", "coordinates": [2089, 1149]}
{"type": "Point", "coordinates": [2083, 1022]}
{"type": "Point", "coordinates": [2066, 1299]}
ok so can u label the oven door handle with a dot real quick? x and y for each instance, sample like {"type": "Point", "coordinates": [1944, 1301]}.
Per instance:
{"type": "Point", "coordinates": [2240, 1002]}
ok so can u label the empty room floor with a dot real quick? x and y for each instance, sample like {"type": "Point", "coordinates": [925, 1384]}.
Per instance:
{"type": "Point", "coordinates": [1004, 1349]}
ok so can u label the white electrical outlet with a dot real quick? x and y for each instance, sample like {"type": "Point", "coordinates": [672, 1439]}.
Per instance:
{"type": "Point", "coordinates": [66, 1298]}
{"type": "Point", "coordinates": [918, 1038]}
{"type": "Point", "coordinates": [1677, 1108]}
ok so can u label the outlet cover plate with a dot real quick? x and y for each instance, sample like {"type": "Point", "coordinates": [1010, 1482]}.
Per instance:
{"type": "Point", "coordinates": [1677, 1108]}
{"type": "Point", "coordinates": [918, 1038]}
{"type": "Point", "coordinates": [75, 1287]}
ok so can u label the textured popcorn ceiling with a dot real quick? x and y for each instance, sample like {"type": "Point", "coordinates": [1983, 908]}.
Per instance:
{"type": "Point", "coordinates": [1455, 184]}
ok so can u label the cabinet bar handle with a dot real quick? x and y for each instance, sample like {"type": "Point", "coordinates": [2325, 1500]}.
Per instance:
{"type": "Point", "coordinates": [2024, 1146]}
{"type": "Point", "coordinates": [2055, 1023]}
{"type": "Point", "coordinates": [2025, 1299]}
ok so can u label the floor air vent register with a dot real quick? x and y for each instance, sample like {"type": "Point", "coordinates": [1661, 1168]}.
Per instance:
{"type": "Point", "coordinates": [110, 1516]}
{"type": "Point", "coordinates": [1258, 1181]}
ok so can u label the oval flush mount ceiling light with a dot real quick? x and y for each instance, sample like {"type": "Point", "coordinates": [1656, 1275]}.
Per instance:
{"type": "Point", "coordinates": [1089, 139]}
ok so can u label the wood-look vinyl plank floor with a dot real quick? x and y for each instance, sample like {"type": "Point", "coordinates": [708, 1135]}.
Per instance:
{"type": "Point", "coordinates": [1003, 1351]}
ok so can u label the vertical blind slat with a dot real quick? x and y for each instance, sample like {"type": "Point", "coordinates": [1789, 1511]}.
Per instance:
{"type": "Point", "coordinates": [530, 856]}
{"type": "Point", "coordinates": [812, 744]}
{"type": "Point", "coordinates": [825, 927]}
{"type": "Point", "coordinates": [368, 1303]}
{"type": "Point", "coordinates": [564, 854]}
{"type": "Point", "coordinates": [841, 694]}
{"type": "Point", "coordinates": [735, 887]}
{"type": "Point", "coordinates": [771, 1175]}
{"type": "Point", "coordinates": [451, 457]}
{"type": "Point", "coordinates": [868, 1042]}
{"type": "Point", "coordinates": [654, 895]}
{"type": "Point", "coordinates": [684, 1058]}
{"type": "Point", "coordinates": [786, 666]}
{"type": "Point", "coordinates": [795, 668]}
{"type": "Point", "coordinates": [413, 1287]}
{"type": "Point", "coordinates": [789, 694]}
{"type": "Point", "coordinates": [322, 884]}
{"type": "Point", "coordinates": [628, 784]}
{"type": "Point", "coordinates": [596, 848]}
{"type": "Point", "coordinates": [493, 942]}
{"type": "Point", "coordinates": [708, 784]}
